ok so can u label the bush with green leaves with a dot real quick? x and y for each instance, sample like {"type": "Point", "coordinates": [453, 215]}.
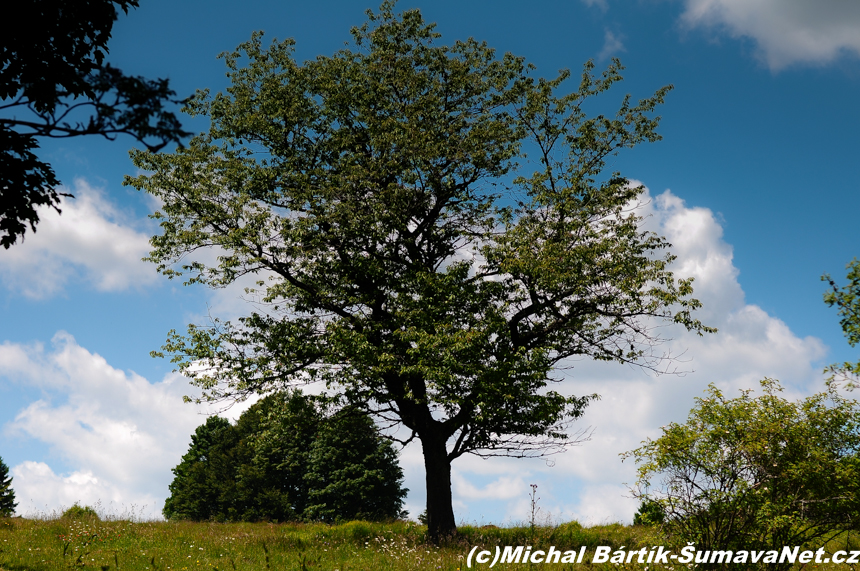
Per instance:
{"type": "Point", "coordinates": [7, 494]}
{"type": "Point", "coordinates": [288, 458]}
{"type": "Point", "coordinates": [79, 512]}
{"type": "Point", "coordinates": [756, 472]}
{"type": "Point", "coordinates": [650, 513]}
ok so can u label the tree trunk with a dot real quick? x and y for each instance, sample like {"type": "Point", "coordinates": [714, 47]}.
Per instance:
{"type": "Point", "coordinates": [440, 512]}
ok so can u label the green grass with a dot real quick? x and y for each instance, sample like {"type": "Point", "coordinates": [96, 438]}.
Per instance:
{"type": "Point", "coordinates": [87, 543]}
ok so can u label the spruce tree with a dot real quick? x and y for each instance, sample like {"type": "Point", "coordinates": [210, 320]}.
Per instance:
{"type": "Point", "coordinates": [353, 472]}
{"type": "Point", "coordinates": [7, 494]}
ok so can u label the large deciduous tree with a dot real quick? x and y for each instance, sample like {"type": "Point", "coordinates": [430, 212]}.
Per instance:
{"type": "Point", "coordinates": [55, 83]}
{"type": "Point", "coordinates": [433, 230]}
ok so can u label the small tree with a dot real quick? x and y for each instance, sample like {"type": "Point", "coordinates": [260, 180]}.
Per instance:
{"type": "Point", "coordinates": [756, 472]}
{"type": "Point", "coordinates": [7, 494]}
{"type": "Point", "coordinates": [650, 512]}
{"type": "Point", "coordinates": [193, 494]}
{"type": "Point", "coordinates": [421, 263]}
{"type": "Point", "coordinates": [283, 444]}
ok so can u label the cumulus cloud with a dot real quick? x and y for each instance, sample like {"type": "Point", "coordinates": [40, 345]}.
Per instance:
{"type": "Point", "coordinates": [587, 482]}
{"type": "Point", "coordinates": [120, 433]}
{"type": "Point", "coordinates": [612, 45]}
{"type": "Point", "coordinates": [41, 492]}
{"type": "Point", "coordinates": [91, 240]}
{"type": "Point", "coordinates": [502, 488]}
{"type": "Point", "coordinates": [601, 4]}
{"type": "Point", "coordinates": [785, 31]}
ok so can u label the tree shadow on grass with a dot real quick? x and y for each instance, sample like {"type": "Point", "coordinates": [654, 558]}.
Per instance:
{"type": "Point", "coordinates": [18, 567]}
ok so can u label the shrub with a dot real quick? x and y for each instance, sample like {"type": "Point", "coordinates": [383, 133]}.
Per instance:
{"type": "Point", "coordinates": [756, 473]}
{"type": "Point", "coordinates": [80, 513]}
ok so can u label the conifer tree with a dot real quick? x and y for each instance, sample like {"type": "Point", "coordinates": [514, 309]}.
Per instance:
{"type": "Point", "coordinates": [7, 494]}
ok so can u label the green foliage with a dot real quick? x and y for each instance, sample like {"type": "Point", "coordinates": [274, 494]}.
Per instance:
{"type": "Point", "coordinates": [196, 487]}
{"type": "Point", "coordinates": [285, 460]}
{"type": "Point", "coordinates": [756, 472]}
{"type": "Point", "coordinates": [7, 494]}
{"type": "Point", "coordinates": [649, 513]}
{"type": "Point", "coordinates": [414, 264]}
{"type": "Point", "coordinates": [352, 474]}
{"type": "Point", "coordinates": [52, 70]}
{"type": "Point", "coordinates": [77, 512]}
{"type": "Point", "coordinates": [847, 300]}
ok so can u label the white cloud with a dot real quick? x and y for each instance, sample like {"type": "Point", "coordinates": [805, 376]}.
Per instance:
{"type": "Point", "coordinates": [602, 504]}
{"type": "Point", "coordinates": [120, 433]}
{"type": "Point", "coordinates": [612, 46]}
{"type": "Point", "coordinates": [91, 239]}
{"type": "Point", "coordinates": [602, 4]}
{"type": "Point", "coordinates": [587, 481]}
{"type": "Point", "coordinates": [502, 488]}
{"type": "Point", "coordinates": [785, 31]}
{"type": "Point", "coordinates": [40, 492]}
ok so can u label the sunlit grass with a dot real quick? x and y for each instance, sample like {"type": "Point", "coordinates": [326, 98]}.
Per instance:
{"type": "Point", "coordinates": [87, 543]}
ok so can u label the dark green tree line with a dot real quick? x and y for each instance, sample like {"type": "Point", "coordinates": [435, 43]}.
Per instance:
{"type": "Point", "coordinates": [286, 459]}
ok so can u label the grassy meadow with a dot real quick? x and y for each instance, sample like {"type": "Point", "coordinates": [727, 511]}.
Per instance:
{"type": "Point", "coordinates": [88, 543]}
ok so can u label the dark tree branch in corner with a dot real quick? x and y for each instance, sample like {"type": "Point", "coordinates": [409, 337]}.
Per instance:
{"type": "Point", "coordinates": [54, 84]}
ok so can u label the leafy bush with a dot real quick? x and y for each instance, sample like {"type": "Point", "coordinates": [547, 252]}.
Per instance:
{"type": "Point", "coordinates": [77, 512]}
{"type": "Point", "coordinates": [756, 472]}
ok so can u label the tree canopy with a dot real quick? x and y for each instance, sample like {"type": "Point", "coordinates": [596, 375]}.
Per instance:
{"type": "Point", "coordinates": [433, 232]}
{"type": "Point", "coordinates": [54, 82]}
{"type": "Point", "coordinates": [7, 494]}
{"type": "Point", "coordinates": [756, 472]}
{"type": "Point", "coordinates": [287, 459]}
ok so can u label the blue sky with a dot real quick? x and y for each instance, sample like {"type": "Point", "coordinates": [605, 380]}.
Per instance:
{"type": "Point", "coordinates": [755, 182]}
